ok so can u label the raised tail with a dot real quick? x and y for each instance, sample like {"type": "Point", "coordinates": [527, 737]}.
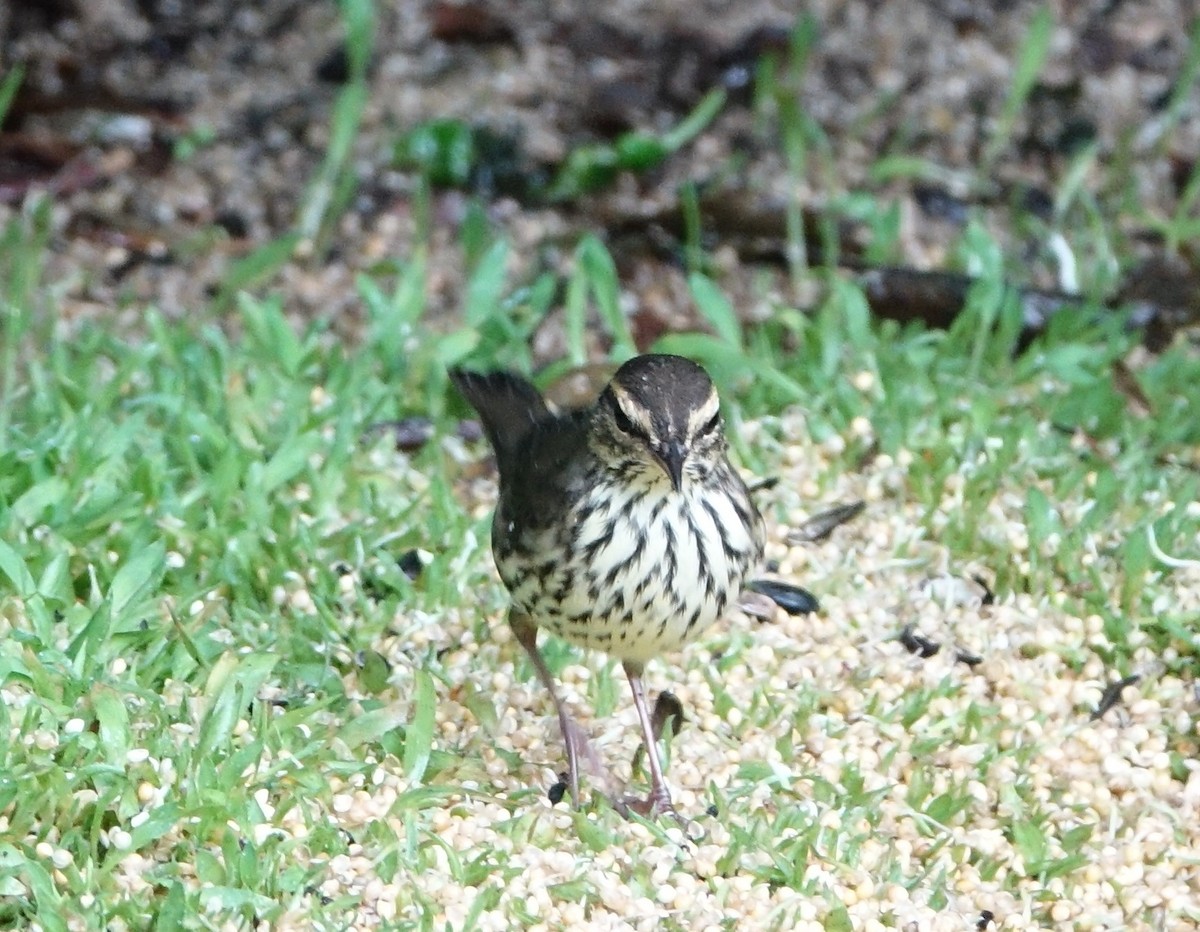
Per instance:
{"type": "Point", "coordinates": [507, 404]}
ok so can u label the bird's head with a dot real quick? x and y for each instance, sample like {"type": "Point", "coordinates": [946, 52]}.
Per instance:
{"type": "Point", "coordinates": [660, 415]}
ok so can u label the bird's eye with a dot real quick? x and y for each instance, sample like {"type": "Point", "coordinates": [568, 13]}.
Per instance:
{"type": "Point", "coordinates": [712, 425]}
{"type": "Point", "coordinates": [621, 419]}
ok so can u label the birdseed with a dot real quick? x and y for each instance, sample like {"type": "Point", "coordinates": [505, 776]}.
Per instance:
{"type": "Point", "coordinates": [852, 778]}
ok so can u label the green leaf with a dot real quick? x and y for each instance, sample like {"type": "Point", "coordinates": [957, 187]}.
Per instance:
{"type": "Point", "coordinates": [454, 347]}
{"type": "Point", "coordinates": [29, 508]}
{"type": "Point", "coordinates": [838, 920]}
{"type": "Point", "coordinates": [287, 462]}
{"type": "Point", "coordinates": [481, 704]}
{"type": "Point", "coordinates": [374, 673]}
{"type": "Point", "coordinates": [695, 122]}
{"type": "Point", "coordinates": [172, 910]}
{"type": "Point", "coordinates": [575, 316]}
{"type": "Point", "coordinates": [257, 267]}
{"type": "Point", "coordinates": [8, 88]}
{"type": "Point", "coordinates": [1040, 516]}
{"type": "Point", "coordinates": [135, 575]}
{"type": "Point", "coordinates": [585, 169]}
{"type": "Point", "coordinates": [273, 334]}
{"type": "Point", "coordinates": [1061, 867]}
{"type": "Point", "coordinates": [592, 832]}
{"type": "Point", "coordinates": [486, 286]}
{"type": "Point", "coordinates": [716, 309]}
{"type": "Point", "coordinates": [45, 894]}
{"type": "Point", "coordinates": [231, 683]}
{"type": "Point", "coordinates": [359, 18]}
{"type": "Point", "coordinates": [597, 266]}
{"type": "Point", "coordinates": [444, 150]}
{"type": "Point", "coordinates": [640, 151]}
{"type": "Point", "coordinates": [1031, 58]}
{"type": "Point", "coordinates": [418, 739]}
{"type": "Point", "coordinates": [908, 167]}
{"type": "Point", "coordinates": [85, 646]}
{"type": "Point", "coordinates": [54, 585]}
{"type": "Point", "coordinates": [1030, 842]}
{"type": "Point", "coordinates": [1073, 839]}
{"type": "Point", "coordinates": [160, 821]}
{"type": "Point", "coordinates": [234, 899]}
{"type": "Point", "coordinates": [1074, 363]}
{"type": "Point", "coordinates": [373, 725]}
{"type": "Point", "coordinates": [945, 807]}
{"type": "Point", "coordinates": [112, 719]}
{"type": "Point", "coordinates": [15, 569]}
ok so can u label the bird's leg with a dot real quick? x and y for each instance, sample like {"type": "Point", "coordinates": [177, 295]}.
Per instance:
{"type": "Point", "coordinates": [659, 800]}
{"type": "Point", "coordinates": [573, 736]}
{"type": "Point", "coordinates": [667, 708]}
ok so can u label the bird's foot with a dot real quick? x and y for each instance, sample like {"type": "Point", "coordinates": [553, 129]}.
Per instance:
{"type": "Point", "coordinates": [657, 804]}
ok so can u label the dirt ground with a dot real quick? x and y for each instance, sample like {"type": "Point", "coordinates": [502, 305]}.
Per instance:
{"type": "Point", "coordinates": [176, 138]}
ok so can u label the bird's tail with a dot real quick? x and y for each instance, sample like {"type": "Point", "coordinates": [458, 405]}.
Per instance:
{"type": "Point", "coordinates": [508, 405]}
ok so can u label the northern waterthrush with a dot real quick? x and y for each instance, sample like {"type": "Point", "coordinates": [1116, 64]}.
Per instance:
{"type": "Point", "coordinates": [621, 526]}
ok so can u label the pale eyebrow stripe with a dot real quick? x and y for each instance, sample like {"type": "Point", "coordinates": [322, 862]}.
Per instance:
{"type": "Point", "coordinates": [701, 415]}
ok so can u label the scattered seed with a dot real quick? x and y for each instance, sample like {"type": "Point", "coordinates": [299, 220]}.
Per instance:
{"type": "Point", "coordinates": [971, 660]}
{"type": "Point", "coordinates": [949, 590]}
{"type": "Point", "coordinates": [556, 792]}
{"type": "Point", "coordinates": [820, 526]}
{"type": "Point", "coordinates": [985, 917]}
{"type": "Point", "coordinates": [713, 811]}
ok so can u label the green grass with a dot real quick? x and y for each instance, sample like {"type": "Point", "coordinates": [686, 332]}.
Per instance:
{"type": "Point", "coordinates": [205, 635]}
{"type": "Point", "coordinates": [179, 510]}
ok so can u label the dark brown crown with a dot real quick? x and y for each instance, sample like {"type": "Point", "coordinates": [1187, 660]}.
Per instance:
{"type": "Point", "coordinates": [670, 385]}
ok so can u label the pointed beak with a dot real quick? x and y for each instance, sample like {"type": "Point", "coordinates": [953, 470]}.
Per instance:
{"type": "Point", "coordinates": [671, 457]}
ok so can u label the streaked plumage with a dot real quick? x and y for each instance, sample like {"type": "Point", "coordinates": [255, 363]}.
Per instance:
{"type": "Point", "coordinates": [621, 527]}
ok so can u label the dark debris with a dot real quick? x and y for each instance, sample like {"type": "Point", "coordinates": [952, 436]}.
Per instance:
{"type": "Point", "coordinates": [409, 433]}
{"type": "Point", "coordinates": [667, 708]}
{"type": "Point", "coordinates": [410, 564]}
{"type": "Point", "coordinates": [792, 599]}
{"type": "Point", "coordinates": [1112, 695]}
{"type": "Point", "coordinates": [820, 526]}
{"type": "Point", "coordinates": [989, 597]}
{"type": "Point", "coordinates": [918, 644]}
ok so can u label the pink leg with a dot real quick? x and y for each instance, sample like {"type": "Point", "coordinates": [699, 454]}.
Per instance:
{"type": "Point", "coordinates": [574, 738]}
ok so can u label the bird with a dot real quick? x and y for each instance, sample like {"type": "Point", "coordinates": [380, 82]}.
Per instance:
{"type": "Point", "coordinates": [620, 527]}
